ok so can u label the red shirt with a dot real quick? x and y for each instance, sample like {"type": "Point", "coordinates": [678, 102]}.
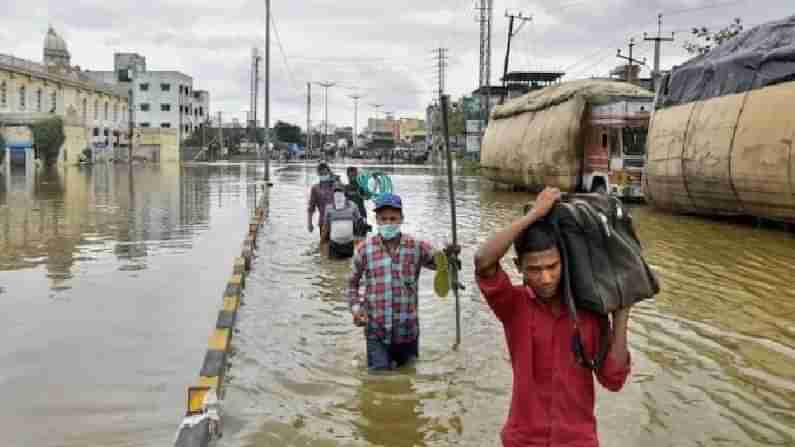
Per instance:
{"type": "Point", "coordinates": [552, 402]}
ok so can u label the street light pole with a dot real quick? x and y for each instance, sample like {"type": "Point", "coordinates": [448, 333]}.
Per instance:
{"type": "Point", "coordinates": [356, 99]}
{"type": "Point", "coordinates": [325, 86]}
{"type": "Point", "coordinates": [267, 90]}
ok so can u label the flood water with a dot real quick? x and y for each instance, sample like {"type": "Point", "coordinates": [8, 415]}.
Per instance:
{"type": "Point", "coordinates": [713, 354]}
{"type": "Point", "coordinates": [112, 281]}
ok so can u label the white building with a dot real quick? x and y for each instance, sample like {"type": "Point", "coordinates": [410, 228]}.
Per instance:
{"type": "Point", "coordinates": [160, 98]}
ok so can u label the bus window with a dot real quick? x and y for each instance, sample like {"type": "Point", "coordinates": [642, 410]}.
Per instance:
{"type": "Point", "coordinates": [634, 140]}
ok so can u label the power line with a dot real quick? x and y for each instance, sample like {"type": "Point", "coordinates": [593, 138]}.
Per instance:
{"type": "Point", "coordinates": [284, 54]}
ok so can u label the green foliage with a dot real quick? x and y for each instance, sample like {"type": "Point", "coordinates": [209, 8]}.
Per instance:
{"type": "Point", "coordinates": [706, 40]}
{"type": "Point", "coordinates": [48, 135]}
{"type": "Point", "coordinates": [287, 133]}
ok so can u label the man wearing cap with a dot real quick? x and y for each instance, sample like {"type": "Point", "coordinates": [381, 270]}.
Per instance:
{"type": "Point", "coordinates": [320, 196]}
{"type": "Point", "coordinates": [390, 263]}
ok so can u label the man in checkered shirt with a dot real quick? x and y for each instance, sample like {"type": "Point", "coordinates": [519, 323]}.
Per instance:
{"type": "Point", "coordinates": [390, 264]}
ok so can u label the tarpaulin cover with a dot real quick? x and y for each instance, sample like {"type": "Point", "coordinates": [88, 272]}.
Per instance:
{"type": "Point", "coordinates": [759, 57]}
{"type": "Point", "coordinates": [593, 91]}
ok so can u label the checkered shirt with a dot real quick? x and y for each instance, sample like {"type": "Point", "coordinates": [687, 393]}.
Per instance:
{"type": "Point", "coordinates": [390, 287]}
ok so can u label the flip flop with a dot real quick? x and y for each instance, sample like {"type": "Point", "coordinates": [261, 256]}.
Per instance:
{"type": "Point", "coordinates": [441, 281]}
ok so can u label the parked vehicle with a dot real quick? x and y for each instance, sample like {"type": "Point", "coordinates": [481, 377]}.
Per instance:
{"type": "Point", "coordinates": [720, 141]}
{"type": "Point", "coordinates": [578, 136]}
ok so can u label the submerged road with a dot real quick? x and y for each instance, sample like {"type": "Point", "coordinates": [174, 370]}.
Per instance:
{"type": "Point", "coordinates": [112, 278]}
{"type": "Point", "coordinates": [714, 353]}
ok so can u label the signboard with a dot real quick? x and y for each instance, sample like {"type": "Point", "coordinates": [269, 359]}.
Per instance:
{"type": "Point", "coordinates": [472, 108]}
{"type": "Point", "coordinates": [475, 126]}
{"type": "Point", "coordinates": [473, 143]}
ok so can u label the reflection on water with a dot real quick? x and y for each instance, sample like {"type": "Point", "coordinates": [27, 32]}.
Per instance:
{"type": "Point", "coordinates": [714, 353]}
{"type": "Point", "coordinates": [111, 278]}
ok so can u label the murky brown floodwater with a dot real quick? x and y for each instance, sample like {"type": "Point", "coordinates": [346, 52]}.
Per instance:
{"type": "Point", "coordinates": [110, 282]}
{"type": "Point", "coordinates": [714, 353]}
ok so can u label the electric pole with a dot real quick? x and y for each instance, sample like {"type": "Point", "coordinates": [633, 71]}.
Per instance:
{"type": "Point", "coordinates": [657, 40]}
{"type": "Point", "coordinates": [486, 13]}
{"type": "Point", "coordinates": [325, 86]}
{"type": "Point", "coordinates": [255, 58]}
{"type": "Point", "coordinates": [267, 91]}
{"type": "Point", "coordinates": [485, 20]}
{"type": "Point", "coordinates": [511, 33]}
{"type": "Point", "coordinates": [441, 64]}
{"type": "Point", "coordinates": [308, 150]}
{"type": "Point", "coordinates": [356, 99]}
{"type": "Point", "coordinates": [220, 133]}
{"type": "Point", "coordinates": [628, 77]}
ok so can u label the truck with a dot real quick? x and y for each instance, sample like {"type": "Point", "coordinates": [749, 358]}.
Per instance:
{"type": "Point", "coordinates": [721, 135]}
{"type": "Point", "coordinates": [587, 136]}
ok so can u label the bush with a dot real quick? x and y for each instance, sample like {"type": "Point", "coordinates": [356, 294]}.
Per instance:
{"type": "Point", "coordinates": [49, 137]}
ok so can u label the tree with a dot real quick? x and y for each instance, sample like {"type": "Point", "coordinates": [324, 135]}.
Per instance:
{"type": "Point", "coordinates": [287, 133]}
{"type": "Point", "coordinates": [49, 136]}
{"type": "Point", "coordinates": [706, 40]}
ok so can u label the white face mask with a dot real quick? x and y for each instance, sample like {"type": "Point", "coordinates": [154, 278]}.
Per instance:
{"type": "Point", "coordinates": [339, 200]}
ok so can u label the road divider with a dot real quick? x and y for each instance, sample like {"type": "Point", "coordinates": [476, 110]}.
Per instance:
{"type": "Point", "coordinates": [203, 422]}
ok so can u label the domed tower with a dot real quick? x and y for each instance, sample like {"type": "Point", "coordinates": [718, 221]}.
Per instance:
{"type": "Point", "coordinates": [55, 52]}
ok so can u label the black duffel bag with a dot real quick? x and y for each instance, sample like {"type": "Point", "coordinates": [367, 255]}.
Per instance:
{"type": "Point", "coordinates": [606, 269]}
{"type": "Point", "coordinates": [603, 268]}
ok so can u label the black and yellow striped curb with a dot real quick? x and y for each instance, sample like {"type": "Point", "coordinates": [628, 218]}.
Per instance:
{"type": "Point", "coordinates": [202, 420]}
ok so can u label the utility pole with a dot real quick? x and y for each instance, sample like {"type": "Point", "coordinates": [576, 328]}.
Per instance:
{"type": "Point", "coordinates": [356, 99]}
{"type": "Point", "coordinates": [628, 75]}
{"type": "Point", "coordinates": [308, 151]}
{"type": "Point", "coordinates": [657, 40]}
{"type": "Point", "coordinates": [441, 64]}
{"type": "Point", "coordinates": [511, 33]}
{"type": "Point", "coordinates": [255, 58]}
{"type": "Point", "coordinates": [267, 91]}
{"type": "Point", "coordinates": [325, 86]}
{"type": "Point", "coordinates": [485, 20]}
{"type": "Point", "coordinates": [486, 13]}
{"type": "Point", "coordinates": [220, 132]}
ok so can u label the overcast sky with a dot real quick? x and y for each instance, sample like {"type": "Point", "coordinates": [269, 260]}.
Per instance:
{"type": "Point", "coordinates": [383, 49]}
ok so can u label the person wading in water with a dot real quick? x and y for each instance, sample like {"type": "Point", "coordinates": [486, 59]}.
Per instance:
{"type": "Point", "coordinates": [390, 262]}
{"type": "Point", "coordinates": [321, 196]}
{"type": "Point", "coordinates": [342, 217]}
{"type": "Point", "coordinates": [553, 397]}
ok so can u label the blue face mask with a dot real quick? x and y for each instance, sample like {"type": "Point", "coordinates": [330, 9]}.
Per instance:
{"type": "Point", "coordinates": [389, 231]}
{"type": "Point", "coordinates": [325, 178]}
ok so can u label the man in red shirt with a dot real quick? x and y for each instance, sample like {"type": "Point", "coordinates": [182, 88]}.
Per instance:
{"type": "Point", "coordinates": [552, 402]}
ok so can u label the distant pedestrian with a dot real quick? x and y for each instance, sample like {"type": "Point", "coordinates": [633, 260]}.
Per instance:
{"type": "Point", "coordinates": [357, 194]}
{"type": "Point", "coordinates": [320, 196]}
{"type": "Point", "coordinates": [342, 217]}
{"type": "Point", "coordinates": [390, 264]}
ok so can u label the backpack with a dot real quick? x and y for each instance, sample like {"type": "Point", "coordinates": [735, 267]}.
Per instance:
{"type": "Point", "coordinates": [341, 251]}
{"type": "Point", "coordinates": [603, 268]}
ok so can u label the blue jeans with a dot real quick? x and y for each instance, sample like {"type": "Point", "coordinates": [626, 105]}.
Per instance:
{"type": "Point", "coordinates": [382, 356]}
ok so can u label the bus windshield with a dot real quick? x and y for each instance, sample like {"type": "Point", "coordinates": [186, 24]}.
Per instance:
{"type": "Point", "coordinates": [634, 139]}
